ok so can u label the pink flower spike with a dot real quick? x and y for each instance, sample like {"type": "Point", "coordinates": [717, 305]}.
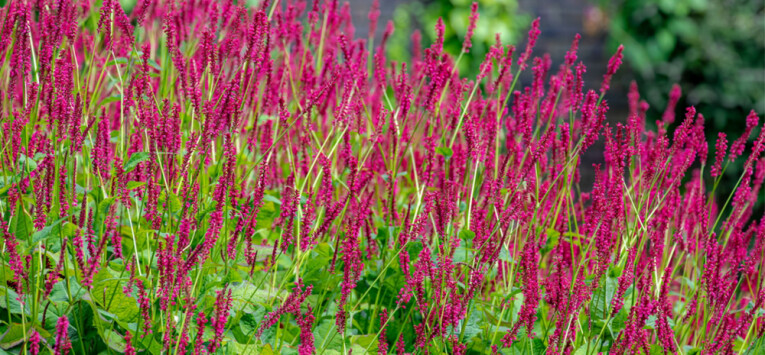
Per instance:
{"type": "Point", "coordinates": [62, 344]}
{"type": "Point", "coordinates": [669, 112]}
{"type": "Point", "coordinates": [34, 343]}
{"type": "Point", "coordinates": [737, 148]}
{"type": "Point", "coordinates": [467, 43]}
{"type": "Point", "coordinates": [571, 54]}
{"type": "Point", "coordinates": [613, 66]}
{"type": "Point", "coordinates": [129, 349]}
{"type": "Point", "coordinates": [720, 147]}
{"type": "Point", "coordinates": [533, 36]}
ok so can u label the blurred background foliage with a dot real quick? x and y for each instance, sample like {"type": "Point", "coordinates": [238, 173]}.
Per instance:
{"type": "Point", "coordinates": [495, 16]}
{"type": "Point", "coordinates": [715, 50]}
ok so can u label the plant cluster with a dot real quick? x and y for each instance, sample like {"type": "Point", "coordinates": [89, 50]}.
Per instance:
{"type": "Point", "coordinates": [199, 177]}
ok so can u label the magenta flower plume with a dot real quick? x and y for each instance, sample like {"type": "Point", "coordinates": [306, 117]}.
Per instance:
{"type": "Point", "coordinates": [34, 343]}
{"type": "Point", "coordinates": [532, 41]}
{"type": "Point", "coordinates": [669, 113]}
{"type": "Point", "coordinates": [720, 147]}
{"type": "Point", "coordinates": [613, 65]}
{"type": "Point", "coordinates": [382, 347]}
{"type": "Point", "coordinates": [737, 148]}
{"type": "Point", "coordinates": [129, 349]}
{"type": "Point", "coordinates": [15, 264]}
{"type": "Point", "coordinates": [305, 322]}
{"type": "Point", "coordinates": [62, 344]}
{"type": "Point", "coordinates": [222, 307]}
{"type": "Point", "coordinates": [291, 305]}
{"type": "Point", "coordinates": [467, 43]}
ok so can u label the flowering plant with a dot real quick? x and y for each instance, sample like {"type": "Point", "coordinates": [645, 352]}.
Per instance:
{"type": "Point", "coordinates": [199, 177]}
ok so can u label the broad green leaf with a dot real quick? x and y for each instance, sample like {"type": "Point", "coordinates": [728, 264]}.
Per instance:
{"type": "Point", "coordinates": [107, 293]}
{"type": "Point", "coordinates": [267, 350]}
{"type": "Point", "coordinates": [582, 350]}
{"type": "Point", "coordinates": [22, 224]}
{"type": "Point", "coordinates": [9, 300]}
{"type": "Point", "coordinates": [246, 294]}
{"type": "Point", "coordinates": [272, 199]}
{"type": "Point", "coordinates": [132, 185]}
{"type": "Point", "coordinates": [601, 299]}
{"type": "Point", "coordinates": [357, 349]}
{"type": "Point", "coordinates": [368, 341]}
{"type": "Point", "coordinates": [249, 349]}
{"type": "Point", "coordinates": [174, 203]}
{"type": "Point", "coordinates": [103, 210]}
{"type": "Point", "coordinates": [69, 229]}
{"type": "Point", "coordinates": [463, 254]}
{"type": "Point", "coordinates": [114, 340]}
{"type": "Point", "coordinates": [467, 235]}
{"type": "Point", "coordinates": [51, 230]}
{"type": "Point", "coordinates": [323, 333]}
{"type": "Point", "coordinates": [472, 327]}
{"type": "Point", "coordinates": [504, 255]}
{"type": "Point", "coordinates": [445, 151]}
{"type": "Point", "coordinates": [15, 335]}
{"type": "Point", "coordinates": [135, 159]}
{"type": "Point", "coordinates": [538, 346]}
{"type": "Point", "coordinates": [27, 162]}
{"type": "Point", "coordinates": [247, 324]}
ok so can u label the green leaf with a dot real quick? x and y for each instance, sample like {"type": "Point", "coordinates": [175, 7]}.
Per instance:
{"type": "Point", "coordinates": [323, 333]}
{"type": "Point", "coordinates": [22, 224]}
{"type": "Point", "coordinates": [656, 350]}
{"type": "Point", "coordinates": [111, 99]}
{"type": "Point", "coordinates": [247, 324]}
{"type": "Point", "coordinates": [154, 64]}
{"type": "Point", "coordinates": [103, 210]}
{"type": "Point", "coordinates": [367, 341]}
{"type": "Point", "coordinates": [114, 340]}
{"type": "Point", "coordinates": [47, 232]}
{"type": "Point", "coordinates": [466, 235]}
{"type": "Point", "coordinates": [272, 199]}
{"type": "Point", "coordinates": [58, 293]}
{"type": "Point", "coordinates": [358, 349]}
{"type": "Point", "coordinates": [248, 296]}
{"type": "Point", "coordinates": [472, 328]}
{"type": "Point", "coordinates": [249, 349]}
{"type": "Point", "coordinates": [445, 151]}
{"type": "Point", "coordinates": [107, 292]}
{"type": "Point", "coordinates": [131, 185]}
{"type": "Point", "coordinates": [552, 240]}
{"type": "Point", "coordinates": [582, 350]}
{"type": "Point", "coordinates": [174, 203]}
{"type": "Point", "coordinates": [135, 159]}
{"type": "Point", "coordinates": [463, 255]}
{"type": "Point", "coordinates": [120, 60]}
{"type": "Point", "coordinates": [14, 335]}
{"type": "Point", "coordinates": [267, 350]}
{"type": "Point", "coordinates": [601, 299]}
{"type": "Point", "coordinates": [538, 346]}
{"type": "Point", "coordinates": [9, 300]}
{"type": "Point", "coordinates": [27, 162]}
{"type": "Point", "coordinates": [69, 229]}
{"type": "Point", "coordinates": [504, 255]}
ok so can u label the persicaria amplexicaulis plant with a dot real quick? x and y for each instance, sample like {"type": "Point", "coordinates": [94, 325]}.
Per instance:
{"type": "Point", "coordinates": [204, 177]}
